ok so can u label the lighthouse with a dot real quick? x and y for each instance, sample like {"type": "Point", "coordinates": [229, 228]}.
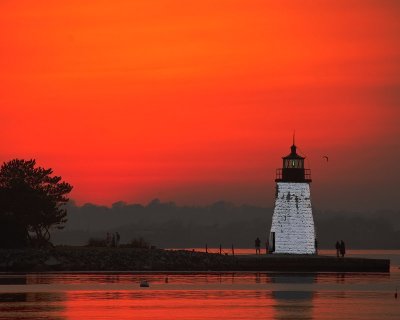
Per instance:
{"type": "Point", "coordinates": [292, 228]}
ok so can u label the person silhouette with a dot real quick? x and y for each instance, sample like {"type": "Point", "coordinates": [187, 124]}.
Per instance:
{"type": "Point", "coordinates": [258, 244]}
{"type": "Point", "coordinates": [337, 246]}
{"type": "Point", "coordinates": [342, 248]}
{"type": "Point", "coordinates": [117, 238]}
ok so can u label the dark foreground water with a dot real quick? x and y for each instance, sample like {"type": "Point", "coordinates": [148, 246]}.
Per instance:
{"type": "Point", "coordinates": [202, 295]}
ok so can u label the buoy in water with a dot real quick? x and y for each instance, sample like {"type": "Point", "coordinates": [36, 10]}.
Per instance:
{"type": "Point", "coordinates": [144, 284]}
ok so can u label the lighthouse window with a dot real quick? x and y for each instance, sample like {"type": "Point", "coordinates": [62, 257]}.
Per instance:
{"type": "Point", "coordinates": [286, 163]}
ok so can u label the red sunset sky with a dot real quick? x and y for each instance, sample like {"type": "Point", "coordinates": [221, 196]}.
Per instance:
{"type": "Point", "coordinates": [196, 101]}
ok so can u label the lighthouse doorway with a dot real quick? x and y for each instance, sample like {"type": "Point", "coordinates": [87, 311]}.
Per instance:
{"type": "Point", "coordinates": [271, 242]}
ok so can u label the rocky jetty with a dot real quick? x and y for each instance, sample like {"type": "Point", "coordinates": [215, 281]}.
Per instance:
{"type": "Point", "coordinates": [110, 259]}
{"type": "Point", "coordinates": [131, 259]}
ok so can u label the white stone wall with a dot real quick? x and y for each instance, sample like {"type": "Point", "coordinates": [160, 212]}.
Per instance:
{"type": "Point", "coordinates": [292, 221]}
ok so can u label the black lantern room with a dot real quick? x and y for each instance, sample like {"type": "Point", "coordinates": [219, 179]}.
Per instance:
{"type": "Point", "coordinates": [293, 168]}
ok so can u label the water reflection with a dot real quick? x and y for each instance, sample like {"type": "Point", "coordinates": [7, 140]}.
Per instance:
{"type": "Point", "coordinates": [13, 280]}
{"type": "Point", "coordinates": [294, 304]}
{"type": "Point", "coordinates": [32, 305]}
{"type": "Point", "coordinates": [188, 304]}
{"type": "Point", "coordinates": [352, 278]}
{"type": "Point", "coordinates": [195, 296]}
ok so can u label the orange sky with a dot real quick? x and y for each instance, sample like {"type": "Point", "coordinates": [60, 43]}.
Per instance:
{"type": "Point", "coordinates": [196, 101]}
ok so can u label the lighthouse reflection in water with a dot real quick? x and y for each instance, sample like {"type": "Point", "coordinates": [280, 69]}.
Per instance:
{"type": "Point", "coordinates": [199, 296]}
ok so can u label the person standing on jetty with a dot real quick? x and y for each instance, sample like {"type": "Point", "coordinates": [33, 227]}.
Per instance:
{"type": "Point", "coordinates": [258, 244]}
{"type": "Point", "coordinates": [337, 248]}
{"type": "Point", "coordinates": [342, 248]}
{"type": "Point", "coordinates": [117, 238]}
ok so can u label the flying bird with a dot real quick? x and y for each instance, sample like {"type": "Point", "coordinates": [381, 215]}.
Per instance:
{"type": "Point", "coordinates": [326, 157]}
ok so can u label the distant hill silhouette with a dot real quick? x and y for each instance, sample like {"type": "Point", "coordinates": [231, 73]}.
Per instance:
{"type": "Point", "coordinates": [166, 224]}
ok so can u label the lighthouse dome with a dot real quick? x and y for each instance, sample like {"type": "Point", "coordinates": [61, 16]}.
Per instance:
{"type": "Point", "coordinates": [293, 169]}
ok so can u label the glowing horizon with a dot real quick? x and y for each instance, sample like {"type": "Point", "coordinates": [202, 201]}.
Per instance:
{"type": "Point", "coordinates": [197, 102]}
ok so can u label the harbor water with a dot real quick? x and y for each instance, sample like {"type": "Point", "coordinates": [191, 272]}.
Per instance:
{"type": "Point", "coordinates": [210, 295]}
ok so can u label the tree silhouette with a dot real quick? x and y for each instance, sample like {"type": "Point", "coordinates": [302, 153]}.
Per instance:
{"type": "Point", "coordinates": [31, 202]}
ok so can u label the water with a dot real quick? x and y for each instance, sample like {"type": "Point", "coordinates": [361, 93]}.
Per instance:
{"type": "Point", "coordinates": [203, 295]}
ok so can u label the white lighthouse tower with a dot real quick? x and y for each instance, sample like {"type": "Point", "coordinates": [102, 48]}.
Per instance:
{"type": "Point", "coordinates": [292, 229]}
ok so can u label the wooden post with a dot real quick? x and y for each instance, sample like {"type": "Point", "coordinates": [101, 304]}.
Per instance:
{"type": "Point", "coordinates": [206, 248]}
{"type": "Point", "coordinates": [220, 249]}
{"type": "Point", "coordinates": [233, 251]}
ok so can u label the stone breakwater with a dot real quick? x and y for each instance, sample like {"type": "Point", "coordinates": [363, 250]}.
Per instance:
{"type": "Point", "coordinates": [110, 259]}
{"type": "Point", "coordinates": [130, 259]}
